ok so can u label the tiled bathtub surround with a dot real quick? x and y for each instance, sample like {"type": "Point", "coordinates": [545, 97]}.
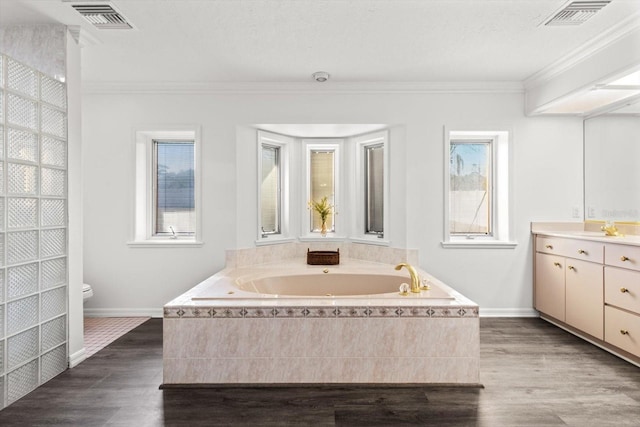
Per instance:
{"type": "Point", "coordinates": [321, 350]}
{"type": "Point", "coordinates": [222, 337]}
{"type": "Point", "coordinates": [236, 258]}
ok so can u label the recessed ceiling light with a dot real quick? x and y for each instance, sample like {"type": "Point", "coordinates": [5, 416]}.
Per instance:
{"type": "Point", "coordinates": [321, 76]}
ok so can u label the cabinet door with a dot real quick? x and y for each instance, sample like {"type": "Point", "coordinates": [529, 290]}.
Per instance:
{"type": "Point", "coordinates": [549, 286]}
{"type": "Point", "coordinates": [585, 296]}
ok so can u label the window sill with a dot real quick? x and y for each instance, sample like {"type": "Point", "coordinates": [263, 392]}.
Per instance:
{"type": "Point", "coordinates": [165, 244]}
{"type": "Point", "coordinates": [318, 238]}
{"type": "Point", "coordinates": [274, 241]}
{"type": "Point", "coordinates": [370, 241]}
{"type": "Point", "coordinates": [478, 244]}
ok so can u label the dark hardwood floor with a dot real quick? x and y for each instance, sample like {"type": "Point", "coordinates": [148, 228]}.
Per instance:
{"type": "Point", "coordinates": [534, 374]}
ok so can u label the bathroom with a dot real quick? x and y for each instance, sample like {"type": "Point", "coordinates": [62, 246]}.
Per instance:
{"type": "Point", "coordinates": [107, 108]}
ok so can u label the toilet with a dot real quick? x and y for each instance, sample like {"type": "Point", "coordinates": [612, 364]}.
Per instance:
{"type": "Point", "coordinates": [87, 292]}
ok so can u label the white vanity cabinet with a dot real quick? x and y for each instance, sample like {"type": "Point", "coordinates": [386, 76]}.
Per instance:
{"type": "Point", "coordinates": [569, 282]}
{"type": "Point", "coordinates": [622, 297]}
{"type": "Point", "coordinates": [591, 287]}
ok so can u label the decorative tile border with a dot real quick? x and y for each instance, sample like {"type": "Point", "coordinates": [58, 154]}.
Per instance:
{"type": "Point", "coordinates": [318, 312]}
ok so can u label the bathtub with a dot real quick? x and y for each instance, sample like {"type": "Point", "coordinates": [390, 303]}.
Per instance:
{"type": "Point", "coordinates": [293, 323]}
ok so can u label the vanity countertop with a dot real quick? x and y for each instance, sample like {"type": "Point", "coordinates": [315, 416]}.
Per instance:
{"type": "Point", "coordinates": [594, 236]}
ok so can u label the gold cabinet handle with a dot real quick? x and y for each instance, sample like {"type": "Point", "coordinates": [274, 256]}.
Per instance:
{"type": "Point", "coordinates": [571, 267]}
{"type": "Point", "coordinates": [549, 247]}
{"type": "Point", "coordinates": [624, 258]}
{"type": "Point", "coordinates": [623, 290]}
{"type": "Point", "coordinates": [582, 251]}
{"type": "Point", "coordinates": [557, 264]}
{"type": "Point", "coordinates": [624, 332]}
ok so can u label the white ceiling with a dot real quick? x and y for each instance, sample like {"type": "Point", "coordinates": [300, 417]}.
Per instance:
{"type": "Point", "coordinates": [353, 40]}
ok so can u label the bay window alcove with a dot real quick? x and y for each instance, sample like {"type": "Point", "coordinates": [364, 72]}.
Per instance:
{"type": "Point", "coordinates": [351, 172]}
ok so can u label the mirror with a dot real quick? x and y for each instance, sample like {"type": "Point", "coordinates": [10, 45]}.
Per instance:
{"type": "Point", "coordinates": [612, 165]}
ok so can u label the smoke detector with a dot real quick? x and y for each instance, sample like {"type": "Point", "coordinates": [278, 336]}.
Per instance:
{"type": "Point", "coordinates": [576, 12]}
{"type": "Point", "coordinates": [321, 76]}
{"type": "Point", "coordinates": [102, 15]}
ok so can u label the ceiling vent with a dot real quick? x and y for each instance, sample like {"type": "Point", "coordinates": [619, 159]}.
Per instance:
{"type": "Point", "coordinates": [103, 16]}
{"type": "Point", "coordinates": [576, 12]}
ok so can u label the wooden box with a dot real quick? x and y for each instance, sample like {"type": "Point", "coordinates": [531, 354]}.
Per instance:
{"type": "Point", "coordinates": [323, 257]}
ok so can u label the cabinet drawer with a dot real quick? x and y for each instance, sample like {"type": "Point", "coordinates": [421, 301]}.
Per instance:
{"type": "Point", "coordinates": [622, 288]}
{"type": "Point", "coordinates": [622, 329]}
{"type": "Point", "coordinates": [578, 249]}
{"type": "Point", "coordinates": [624, 256]}
{"type": "Point", "coordinates": [549, 245]}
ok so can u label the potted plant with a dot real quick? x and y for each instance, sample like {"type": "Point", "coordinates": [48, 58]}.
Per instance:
{"type": "Point", "coordinates": [324, 209]}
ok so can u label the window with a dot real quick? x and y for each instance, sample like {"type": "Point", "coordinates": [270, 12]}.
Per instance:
{"type": "Point", "coordinates": [273, 187]}
{"type": "Point", "coordinates": [167, 188]}
{"type": "Point", "coordinates": [374, 189]}
{"type": "Point", "coordinates": [478, 206]}
{"type": "Point", "coordinates": [270, 190]}
{"type": "Point", "coordinates": [322, 180]}
{"type": "Point", "coordinates": [470, 191]}
{"type": "Point", "coordinates": [322, 185]}
{"type": "Point", "coordinates": [350, 173]}
{"type": "Point", "coordinates": [371, 187]}
{"type": "Point", "coordinates": [174, 188]}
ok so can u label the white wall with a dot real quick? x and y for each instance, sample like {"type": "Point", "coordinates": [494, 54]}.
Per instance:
{"type": "Point", "coordinates": [74, 188]}
{"type": "Point", "coordinates": [548, 184]}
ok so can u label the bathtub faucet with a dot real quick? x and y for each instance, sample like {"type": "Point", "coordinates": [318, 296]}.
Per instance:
{"type": "Point", "coordinates": [415, 279]}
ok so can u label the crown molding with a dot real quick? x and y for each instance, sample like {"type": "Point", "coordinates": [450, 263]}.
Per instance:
{"type": "Point", "coordinates": [82, 37]}
{"type": "Point", "coordinates": [292, 87]}
{"type": "Point", "coordinates": [588, 49]}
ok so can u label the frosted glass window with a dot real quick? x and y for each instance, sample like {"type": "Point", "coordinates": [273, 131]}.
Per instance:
{"type": "Point", "coordinates": [22, 78]}
{"type": "Point", "coordinates": [22, 145]}
{"type": "Point", "coordinates": [270, 190]}
{"type": "Point", "coordinates": [470, 196]}
{"type": "Point", "coordinates": [174, 188]}
{"type": "Point", "coordinates": [22, 112]}
{"type": "Point", "coordinates": [53, 92]}
{"type": "Point", "coordinates": [23, 179]}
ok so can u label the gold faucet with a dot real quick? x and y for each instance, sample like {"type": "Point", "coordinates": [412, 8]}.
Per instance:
{"type": "Point", "coordinates": [415, 279]}
{"type": "Point", "coordinates": [610, 229]}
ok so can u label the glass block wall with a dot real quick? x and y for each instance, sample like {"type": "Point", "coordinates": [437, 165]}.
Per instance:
{"type": "Point", "coordinates": [33, 229]}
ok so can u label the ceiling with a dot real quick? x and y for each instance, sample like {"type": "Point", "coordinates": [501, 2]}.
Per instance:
{"type": "Point", "coordinates": [354, 40]}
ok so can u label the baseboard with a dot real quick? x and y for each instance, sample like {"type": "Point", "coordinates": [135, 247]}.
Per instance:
{"type": "Point", "coordinates": [508, 312]}
{"type": "Point", "coordinates": [123, 312]}
{"type": "Point", "coordinates": [76, 358]}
